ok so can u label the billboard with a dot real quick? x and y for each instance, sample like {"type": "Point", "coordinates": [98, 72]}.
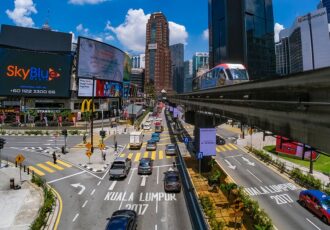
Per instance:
{"type": "Point", "coordinates": [100, 60]}
{"type": "Point", "coordinates": [207, 138]}
{"type": "Point", "coordinates": [101, 88]}
{"type": "Point", "coordinates": [34, 74]}
{"type": "Point", "coordinates": [175, 112]}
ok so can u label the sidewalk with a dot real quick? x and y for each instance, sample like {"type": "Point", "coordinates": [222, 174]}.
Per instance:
{"type": "Point", "coordinates": [18, 208]}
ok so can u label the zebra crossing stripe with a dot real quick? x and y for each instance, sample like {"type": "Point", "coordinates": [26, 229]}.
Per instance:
{"type": "Point", "coordinates": [44, 167]}
{"type": "Point", "coordinates": [137, 157]}
{"type": "Point", "coordinates": [161, 155]}
{"type": "Point", "coordinates": [63, 163]}
{"type": "Point", "coordinates": [228, 147]}
{"type": "Point", "coordinates": [153, 156]}
{"type": "Point", "coordinates": [122, 155]}
{"type": "Point", "coordinates": [54, 165]}
{"type": "Point", "coordinates": [130, 155]}
{"type": "Point", "coordinates": [222, 148]}
{"type": "Point", "coordinates": [37, 171]}
{"type": "Point", "coordinates": [233, 146]}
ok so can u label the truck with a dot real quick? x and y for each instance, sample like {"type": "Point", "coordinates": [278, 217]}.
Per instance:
{"type": "Point", "coordinates": [135, 140]}
{"type": "Point", "coordinates": [158, 127]}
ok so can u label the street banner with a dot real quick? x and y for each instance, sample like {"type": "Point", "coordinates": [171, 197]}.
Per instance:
{"type": "Point", "coordinates": [207, 141]}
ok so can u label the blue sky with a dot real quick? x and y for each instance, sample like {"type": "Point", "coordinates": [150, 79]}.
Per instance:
{"type": "Point", "coordinates": [122, 22]}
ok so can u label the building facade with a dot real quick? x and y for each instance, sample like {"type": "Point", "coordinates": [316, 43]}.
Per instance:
{"type": "Point", "coordinates": [242, 32]}
{"type": "Point", "coordinates": [137, 78]}
{"type": "Point", "coordinates": [158, 58]}
{"type": "Point", "coordinates": [306, 45]}
{"type": "Point", "coordinates": [326, 4]}
{"type": "Point", "coordinates": [138, 61]}
{"type": "Point", "coordinates": [188, 75]}
{"type": "Point", "coordinates": [199, 60]}
{"type": "Point", "coordinates": [177, 67]}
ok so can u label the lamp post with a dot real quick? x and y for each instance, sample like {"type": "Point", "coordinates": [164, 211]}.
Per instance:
{"type": "Point", "coordinates": [92, 119]}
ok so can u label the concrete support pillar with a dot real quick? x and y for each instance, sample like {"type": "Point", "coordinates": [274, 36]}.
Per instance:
{"type": "Point", "coordinates": [189, 117]}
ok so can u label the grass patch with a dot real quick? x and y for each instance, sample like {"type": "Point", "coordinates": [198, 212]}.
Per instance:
{"type": "Point", "coordinates": [322, 164]}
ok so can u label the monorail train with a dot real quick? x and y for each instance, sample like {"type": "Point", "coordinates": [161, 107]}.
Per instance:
{"type": "Point", "coordinates": [223, 74]}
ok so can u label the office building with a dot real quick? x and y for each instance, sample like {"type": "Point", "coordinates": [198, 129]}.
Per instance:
{"type": "Point", "coordinates": [326, 4]}
{"type": "Point", "coordinates": [199, 60]}
{"type": "Point", "coordinates": [242, 32]}
{"type": "Point", "coordinates": [188, 75]}
{"type": "Point", "coordinates": [177, 67]}
{"type": "Point", "coordinates": [138, 61]}
{"type": "Point", "coordinates": [306, 45]}
{"type": "Point", "coordinates": [137, 78]}
{"type": "Point", "coordinates": [158, 59]}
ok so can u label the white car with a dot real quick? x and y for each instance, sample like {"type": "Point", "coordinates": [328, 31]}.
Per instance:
{"type": "Point", "coordinates": [150, 119]}
{"type": "Point", "coordinates": [159, 119]}
{"type": "Point", "coordinates": [146, 127]}
{"type": "Point", "coordinates": [147, 123]}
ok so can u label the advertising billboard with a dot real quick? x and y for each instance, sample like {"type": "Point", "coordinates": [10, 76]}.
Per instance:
{"type": "Point", "coordinates": [100, 60]}
{"type": "Point", "coordinates": [101, 88]}
{"type": "Point", "coordinates": [175, 112]}
{"type": "Point", "coordinates": [34, 74]}
{"type": "Point", "coordinates": [207, 138]}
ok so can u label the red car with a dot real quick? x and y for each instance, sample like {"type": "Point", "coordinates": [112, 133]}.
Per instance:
{"type": "Point", "coordinates": [317, 202]}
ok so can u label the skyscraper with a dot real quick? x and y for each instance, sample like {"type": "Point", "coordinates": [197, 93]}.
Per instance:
{"type": "Point", "coordinates": [326, 4]}
{"type": "Point", "coordinates": [177, 58]}
{"type": "Point", "coordinates": [200, 60]}
{"type": "Point", "coordinates": [242, 31]}
{"type": "Point", "coordinates": [188, 74]}
{"type": "Point", "coordinates": [138, 61]}
{"type": "Point", "coordinates": [158, 59]}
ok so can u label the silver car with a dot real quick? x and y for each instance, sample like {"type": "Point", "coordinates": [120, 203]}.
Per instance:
{"type": "Point", "coordinates": [170, 150]}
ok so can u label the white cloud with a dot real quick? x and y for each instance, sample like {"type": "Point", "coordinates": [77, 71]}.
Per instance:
{"type": "Point", "coordinates": [277, 28]}
{"type": "Point", "coordinates": [109, 38]}
{"type": "Point", "coordinates": [80, 28]}
{"type": "Point", "coordinates": [83, 2]}
{"type": "Point", "coordinates": [206, 34]}
{"type": "Point", "coordinates": [98, 38]}
{"type": "Point", "coordinates": [21, 15]}
{"type": "Point", "coordinates": [132, 32]}
{"type": "Point", "coordinates": [178, 33]}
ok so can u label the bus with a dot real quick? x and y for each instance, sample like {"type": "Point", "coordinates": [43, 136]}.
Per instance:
{"type": "Point", "coordinates": [220, 75]}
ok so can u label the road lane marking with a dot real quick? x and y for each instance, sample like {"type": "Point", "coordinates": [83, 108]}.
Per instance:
{"type": "Point", "coordinates": [92, 192]}
{"type": "Point", "coordinates": [98, 184]}
{"type": "Point", "coordinates": [75, 217]}
{"type": "Point", "coordinates": [153, 155]}
{"type": "Point", "coordinates": [157, 175]}
{"type": "Point", "coordinates": [121, 202]}
{"type": "Point", "coordinates": [60, 209]}
{"type": "Point", "coordinates": [83, 206]}
{"type": "Point", "coordinates": [313, 224]}
{"type": "Point", "coordinates": [112, 185]}
{"type": "Point", "coordinates": [233, 146]}
{"type": "Point", "coordinates": [156, 227]}
{"type": "Point", "coordinates": [137, 157]}
{"type": "Point", "coordinates": [143, 181]}
{"type": "Point", "coordinates": [62, 178]}
{"type": "Point", "coordinates": [222, 148]}
{"type": "Point", "coordinates": [130, 178]}
{"type": "Point", "coordinates": [218, 149]}
{"type": "Point", "coordinates": [54, 165]}
{"type": "Point", "coordinates": [237, 161]}
{"type": "Point", "coordinates": [156, 205]}
{"type": "Point", "coordinates": [161, 154]}
{"type": "Point", "coordinates": [228, 147]}
{"type": "Point", "coordinates": [254, 175]}
{"type": "Point", "coordinates": [122, 155]}
{"type": "Point", "coordinates": [37, 171]}
{"type": "Point", "coordinates": [146, 154]}
{"type": "Point", "coordinates": [130, 156]}
{"type": "Point", "coordinates": [63, 163]}
{"type": "Point", "coordinates": [44, 167]}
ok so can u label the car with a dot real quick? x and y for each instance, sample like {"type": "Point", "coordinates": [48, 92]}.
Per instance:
{"type": "Point", "coordinates": [170, 150]}
{"type": "Point", "coordinates": [172, 181]}
{"type": "Point", "coordinates": [120, 168]}
{"type": "Point", "coordinates": [159, 119]}
{"type": "Point", "coordinates": [146, 127]}
{"type": "Point", "coordinates": [220, 141]}
{"type": "Point", "coordinates": [147, 123]}
{"type": "Point", "coordinates": [151, 145]}
{"type": "Point", "coordinates": [122, 219]}
{"type": "Point", "coordinates": [145, 166]}
{"type": "Point", "coordinates": [317, 202]}
{"type": "Point", "coordinates": [155, 137]}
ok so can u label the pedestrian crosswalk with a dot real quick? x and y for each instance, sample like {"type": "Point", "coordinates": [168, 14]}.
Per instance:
{"type": "Point", "coordinates": [155, 155]}
{"type": "Point", "coordinates": [49, 167]}
{"type": "Point", "coordinates": [226, 147]}
{"type": "Point", "coordinates": [42, 149]}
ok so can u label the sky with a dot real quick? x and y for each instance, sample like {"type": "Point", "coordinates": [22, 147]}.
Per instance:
{"type": "Point", "coordinates": [122, 22]}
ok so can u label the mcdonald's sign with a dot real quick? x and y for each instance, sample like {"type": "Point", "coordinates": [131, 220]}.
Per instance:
{"type": "Point", "coordinates": [87, 103]}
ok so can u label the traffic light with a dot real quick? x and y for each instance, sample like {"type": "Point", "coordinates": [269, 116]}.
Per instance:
{"type": "Point", "coordinates": [102, 133]}
{"type": "Point", "coordinates": [2, 143]}
{"type": "Point", "coordinates": [65, 132]}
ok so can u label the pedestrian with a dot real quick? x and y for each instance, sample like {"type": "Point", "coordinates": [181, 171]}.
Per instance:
{"type": "Point", "coordinates": [103, 155]}
{"type": "Point", "coordinates": [54, 157]}
{"type": "Point", "coordinates": [116, 146]}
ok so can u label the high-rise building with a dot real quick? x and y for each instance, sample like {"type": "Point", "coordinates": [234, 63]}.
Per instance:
{"type": "Point", "coordinates": [200, 60]}
{"type": "Point", "coordinates": [177, 60]}
{"type": "Point", "coordinates": [188, 75]}
{"type": "Point", "coordinates": [306, 45]}
{"type": "Point", "coordinates": [137, 78]}
{"type": "Point", "coordinates": [138, 61]}
{"type": "Point", "coordinates": [326, 4]}
{"type": "Point", "coordinates": [242, 31]}
{"type": "Point", "coordinates": [158, 58]}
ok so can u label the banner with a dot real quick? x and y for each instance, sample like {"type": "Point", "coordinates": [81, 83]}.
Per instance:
{"type": "Point", "coordinates": [207, 141]}
{"type": "Point", "coordinates": [101, 88]}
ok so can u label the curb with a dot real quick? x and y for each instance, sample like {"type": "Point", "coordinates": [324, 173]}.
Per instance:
{"type": "Point", "coordinates": [95, 170]}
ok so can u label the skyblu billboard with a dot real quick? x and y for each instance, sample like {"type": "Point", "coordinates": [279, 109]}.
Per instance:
{"type": "Point", "coordinates": [207, 141]}
{"type": "Point", "coordinates": [34, 74]}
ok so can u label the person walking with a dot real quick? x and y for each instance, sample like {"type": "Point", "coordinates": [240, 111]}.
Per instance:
{"type": "Point", "coordinates": [54, 157]}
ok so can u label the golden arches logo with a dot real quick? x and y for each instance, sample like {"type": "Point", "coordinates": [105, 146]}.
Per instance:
{"type": "Point", "coordinates": [87, 103]}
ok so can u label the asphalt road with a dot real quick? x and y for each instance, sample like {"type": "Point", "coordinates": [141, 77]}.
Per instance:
{"type": "Point", "coordinates": [89, 199]}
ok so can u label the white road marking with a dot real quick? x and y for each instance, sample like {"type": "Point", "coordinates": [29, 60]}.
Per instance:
{"type": "Point", "coordinates": [230, 165]}
{"type": "Point", "coordinates": [83, 206]}
{"type": "Point", "coordinates": [121, 202]}
{"type": "Point", "coordinates": [237, 161]}
{"type": "Point", "coordinates": [156, 227]}
{"type": "Point", "coordinates": [75, 217]}
{"type": "Point", "coordinates": [92, 192]}
{"type": "Point", "coordinates": [98, 184]}
{"type": "Point", "coordinates": [144, 180]}
{"type": "Point", "coordinates": [81, 186]}
{"type": "Point", "coordinates": [112, 185]}
{"type": "Point", "coordinates": [157, 175]}
{"type": "Point", "coordinates": [275, 227]}
{"type": "Point", "coordinates": [313, 224]}
{"type": "Point", "coordinates": [106, 173]}
{"type": "Point", "coordinates": [130, 178]}
{"type": "Point", "coordinates": [62, 178]}
{"type": "Point", "coordinates": [157, 206]}
{"type": "Point", "coordinates": [254, 175]}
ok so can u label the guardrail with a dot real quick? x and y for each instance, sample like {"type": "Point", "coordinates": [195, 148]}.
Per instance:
{"type": "Point", "coordinates": [195, 210]}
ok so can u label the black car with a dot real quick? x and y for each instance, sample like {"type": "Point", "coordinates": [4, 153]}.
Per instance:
{"type": "Point", "coordinates": [122, 220]}
{"type": "Point", "coordinates": [145, 166]}
{"type": "Point", "coordinates": [219, 140]}
{"type": "Point", "coordinates": [172, 181]}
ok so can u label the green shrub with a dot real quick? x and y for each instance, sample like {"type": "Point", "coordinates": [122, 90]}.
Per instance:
{"type": "Point", "coordinates": [73, 132]}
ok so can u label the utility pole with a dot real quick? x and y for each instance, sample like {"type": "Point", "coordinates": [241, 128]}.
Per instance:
{"type": "Point", "coordinates": [92, 119]}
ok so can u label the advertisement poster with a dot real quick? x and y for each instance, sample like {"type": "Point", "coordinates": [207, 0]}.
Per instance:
{"type": "Point", "coordinates": [101, 88]}
{"type": "Point", "coordinates": [33, 74]}
{"type": "Point", "coordinates": [207, 141]}
{"type": "Point", "coordinates": [100, 60]}
{"type": "Point", "coordinates": [85, 87]}
{"type": "Point", "coordinates": [175, 112]}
